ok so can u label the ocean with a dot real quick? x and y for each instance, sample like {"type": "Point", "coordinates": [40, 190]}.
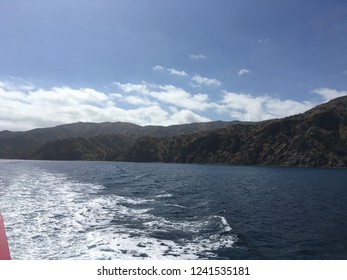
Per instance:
{"type": "Point", "coordinates": [119, 210]}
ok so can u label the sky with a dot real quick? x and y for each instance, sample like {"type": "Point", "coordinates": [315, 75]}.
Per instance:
{"type": "Point", "coordinates": [164, 62]}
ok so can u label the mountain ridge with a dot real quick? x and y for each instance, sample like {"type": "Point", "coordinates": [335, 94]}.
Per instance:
{"type": "Point", "coordinates": [315, 138]}
{"type": "Point", "coordinates": [23, 144]}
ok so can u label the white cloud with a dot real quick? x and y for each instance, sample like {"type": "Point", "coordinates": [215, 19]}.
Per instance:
{"type": "Point", "coordinates": [199, 81]}
{"type": "Point", "coordinates": [27, 109]}
{"type": "Point", "coordinates": [243, 72]}
{"type": "Point", "coordinates": [176, 72]}
{"type": "Point", "coordinates": [197, 56]}
{"type": "Point", "coordinates": [329, 94]}
{"type": "Point", "coordinates": [181, 98]}
{"type": "Point", "coordinates": [144, 104]}
{"type": "Point", "coordinates": [158, 68]}
{"type": "Point", "coordinates": [41, 108]}
{"type": "Point", "coordinates": [66, 96]}
{"type": "Point", "coordinates": [14, 95]}
{"type": "Point", "coordinates": [282, 108]}
{"type": "Point", "coordinates": [19, 84]}
{"type": "Point", "coordinates": [116, 95]}
{"type": "Point", "coordinates": [185, 116]}
{"type": "Point", "coordinates": [246, 107]}
{"type": "Point", "coordinates": [137, 100]}
{"type": "Point", "coordinates": [128, 87]}
{"type": "Point", "coordinates": [169, 94]}
{"type": "Point", "coordinates": [171, 71]}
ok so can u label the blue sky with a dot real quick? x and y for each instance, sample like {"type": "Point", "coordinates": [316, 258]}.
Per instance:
{"type": "Point", "coordinates": [166, 62]}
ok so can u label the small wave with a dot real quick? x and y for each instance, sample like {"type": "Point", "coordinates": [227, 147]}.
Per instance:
{"type": "Point", "coordinates": [164, 195]}
{"type": "Point", "coordinates": [176, 205]}
{"type": "Point", "coordinates": [224, 222]}
{"type": "Point", "coordinates": [135, 201]}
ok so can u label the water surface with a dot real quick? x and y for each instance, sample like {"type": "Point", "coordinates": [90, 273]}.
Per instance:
{"type": "Point", "coordinates": [115, 210]}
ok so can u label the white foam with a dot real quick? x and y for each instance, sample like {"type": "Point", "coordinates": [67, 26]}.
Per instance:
{"type": "Point", "coordinates": [134, 201]}
{"type": "Point", "coordinates": [176, 205]}
{"type": "Point", "coordinates": [225, 223]}
{"type": "Point", "coordinates": [45, 214]}
{"type": "Point", "coordinates": [164, 194]}
{"type": "Point", "coordinates": [50, 216]}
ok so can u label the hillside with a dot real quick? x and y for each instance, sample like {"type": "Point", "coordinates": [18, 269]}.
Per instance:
{"type": "Point", "coordinates": [30, 144]}
{"type": "Point", "coordinates": [315, 138]}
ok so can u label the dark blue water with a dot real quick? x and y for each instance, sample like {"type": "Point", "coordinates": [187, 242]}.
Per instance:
{"type": "Point", "coordinates": [112, 210]}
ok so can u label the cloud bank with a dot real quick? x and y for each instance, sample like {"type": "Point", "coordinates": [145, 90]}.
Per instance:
{"type": "Point", "coordinates": [24, 106]}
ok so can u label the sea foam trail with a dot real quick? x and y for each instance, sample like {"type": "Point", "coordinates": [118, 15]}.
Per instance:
{"type": "Point", "coordinates": [108, 210]}
{"type": "Point", "coordinates": [51, 216]}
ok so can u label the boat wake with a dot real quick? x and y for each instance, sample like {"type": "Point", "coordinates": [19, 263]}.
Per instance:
{"type": "Point", "coordinates": [51, 216]}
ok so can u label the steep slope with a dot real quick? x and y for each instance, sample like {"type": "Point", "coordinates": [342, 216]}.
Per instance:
{"type": "Point", "coordinates": [316, 138]}
{"type": "Point", "coordinates": [104, 147]}
{"type": "Point", "coordinates": [24, 145]}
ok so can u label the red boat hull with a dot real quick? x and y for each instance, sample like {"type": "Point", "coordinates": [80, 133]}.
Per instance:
{"type": "Point", "coordinates": [4, 249]}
